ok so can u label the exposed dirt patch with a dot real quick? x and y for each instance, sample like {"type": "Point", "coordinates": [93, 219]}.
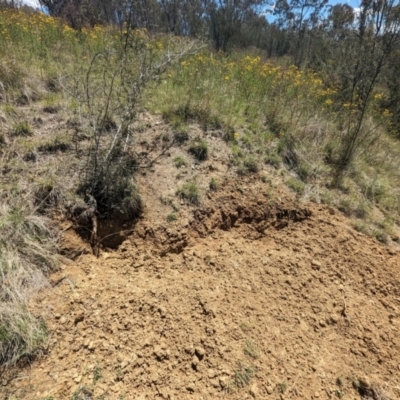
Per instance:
{"type": "Point", "coordinates": [249, 295]}
{"type": "Point", "coordinates": [248, 298]}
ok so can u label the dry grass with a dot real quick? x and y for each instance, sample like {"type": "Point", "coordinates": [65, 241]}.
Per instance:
{"type": "Point", "coordinates": [27, 254]}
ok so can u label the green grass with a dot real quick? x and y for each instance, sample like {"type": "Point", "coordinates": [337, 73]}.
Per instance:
{"type": "Point", "coordinates": [243, 374]}
{"type": "Point", "coordinates": [213, 185]}
{"type": "Point", "coordinates": [22, 129]}
{"type": "Point", "coordinates": [190, 191]}
{"type": "Point", "coordinates": [297, 185]}
{"type": "Point", "coordinates": [172, 217]}
{"type": "Point", "coordinates": [179, 162]}
{"type": "Point", "coordinates": [199, 148]}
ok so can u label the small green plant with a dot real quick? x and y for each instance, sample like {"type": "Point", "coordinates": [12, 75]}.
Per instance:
{"type": "Point", "coordinates": [189, 191]}
{"type": "Point", "coordinates": [181, 134]}
{"type": "Point", "coordinates": [248, 165]}
{"type": "Point", "coordinates": [172, 217]}
{"type": "Point", "coordinates": [97, 374]}
{"type": "Point", "coordinates": [243, 375]}
{"type": "Point", "coordinates": [213, 184]}
{"type": "Point", "coordinates": [9, 109]}
{"type": "Point", "coordinates": [251, 164]}
{"type": "Point", "coordinates": [361, 227]}
{"type": "Point", "coordinates": [207, 259]}
{"type": "Point", "coordinates": [245, 327]}
{"type": "Point", "coordinates": [119, 374]}
{"type": "Point", "coordinates": [22, 129]}
{"type": "Point", "coordinates": [339, 393]}
{"type": "Point", "coordinates": [83, 393]}
{"type": "Point", "coordinates": [250, 349]}
{"type": "Point", "coordinates": [199, 148]}
{"type": "Point", "coordinates": [179, 162]}
{"type": "Point", "coordinates": [273, 159]}
{"type": "Point", "coordinates": [380, 235]}
{"type": "Point", "coordinates": [282, 387]}
{"type": "Point", "coordinates": [297, 185]}
{"type": "Point", "coordinates": [265, 179]}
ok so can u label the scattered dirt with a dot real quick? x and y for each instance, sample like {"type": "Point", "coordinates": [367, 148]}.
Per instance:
{"type": "Point", "coordinates": [251, 295]}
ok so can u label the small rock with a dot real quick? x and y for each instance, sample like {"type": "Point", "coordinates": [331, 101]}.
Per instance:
{"type": "Point", "coordinates": [322, 323]}
{"type": "Point", "coordinates": [200, 352]}
{"type": "Point", "coordinates": [333, 319]}
{"type": "Point", "coordinates": [195, 360]}
{"type": "Point", "coordinates": [270, 389]}
{"type": "Point", "coordinates": [316, 264]}
{"type": "Point", "coordinates": [316, 395]}
{"type": "Point", "coordinates": [63, 320]}
{"type": "Point", "coordinates": [223, 381]}
{"type": "Point", "coordinates": [78, 379]}
{"type": "Point", "coordinates": [254, 391]}
{"type": "Point", "coordinates": [211, 373]}
{"type": "Point", "coordinates": [79, 317]}
{"type": "Point", "coordinates": [91, 346]}
{"type": "Point", "coordinates": [214, 383]}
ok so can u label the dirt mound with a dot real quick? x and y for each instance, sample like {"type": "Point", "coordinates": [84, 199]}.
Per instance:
{"type": "Point", "coordinates": [250, 294]}
{"type": "Point", "coordinates": [246, 298]}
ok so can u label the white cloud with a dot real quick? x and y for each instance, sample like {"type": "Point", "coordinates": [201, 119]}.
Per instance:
{"type": "Point", "coordinates": [30, 3]}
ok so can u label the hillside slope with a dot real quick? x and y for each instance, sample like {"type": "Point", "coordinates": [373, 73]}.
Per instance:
{"type": "Point", "coordinates": [250, 294]}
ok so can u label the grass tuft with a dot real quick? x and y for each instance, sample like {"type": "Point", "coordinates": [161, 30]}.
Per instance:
{"type": "Point", "coordinates": [179, 162]}
{"type": "Point", "coordinates": [297, 185]}
{"type": "Point", "coordinates": [27, 254]}
{"type": "Point", "coordinates": [22, 129]}
{"type": "Point", "coordinates": [199, 148]}
{"type": "Point", "coordinates": [190, 191]}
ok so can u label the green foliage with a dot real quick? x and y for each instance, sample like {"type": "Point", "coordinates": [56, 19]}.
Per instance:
{"type": "Point", "coordinates": [213, 185]}
{"type": "Point", "coordinates": [172, 217]}
{"type": "Point", "coordinates": [97, 373]}
{"type": "Point", "coordinates": [179, 162]}
{"type": "Point", "coordinates": [22, 129]}
{"type": "Point", "coordinates": [248, 165]}
{"type": "Point", "coordinates": [297, 185]}
{"type": "Point", "coordinates": [250, 349]}
{"type": "Point", "coordinates": [199, 148]}
{"type": "Point", "coordinates": [190, 191]}
{"type": "Point", "coordinates": [83, 393]}
{"type": "Point", "coordinates": [181, 134]}
{"type": "Point", "coordinates": [282, 387]}
{"type": "Point", "coordinates": [182, 113]}
{"type": "Point", "coordinates": [110, 182]}
{"type": "Point", "coordinates": [273, 159]}
{"type": "Point", "coordinates": [243, 375]}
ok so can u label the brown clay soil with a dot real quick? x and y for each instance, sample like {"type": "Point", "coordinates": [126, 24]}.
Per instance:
{"type": "Point", "coordinates": [249, 295]}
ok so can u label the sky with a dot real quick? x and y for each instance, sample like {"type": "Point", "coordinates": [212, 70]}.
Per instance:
{"type": "Point", "coordinates": [31, 3]}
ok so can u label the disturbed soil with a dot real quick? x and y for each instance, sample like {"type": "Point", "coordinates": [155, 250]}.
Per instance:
{"type": "Point", "coordinates": [249, 295]}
